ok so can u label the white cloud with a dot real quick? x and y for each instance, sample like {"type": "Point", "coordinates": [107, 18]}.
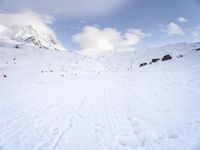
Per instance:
{"type": "Point", "coordinates": [182, 19]}
{"type": "Point", "coordinates": [39, 22]}
{"type": "Point", "coordinates": [173, 29]}
{"type": "Point", "coordinates": [108, 39]}
{"type": "Point", "coordinates": [48, 19]}
{"type": "Point", "coordinates": [131, 37]}
{"type": "Point", "coordinates": [70, 8]}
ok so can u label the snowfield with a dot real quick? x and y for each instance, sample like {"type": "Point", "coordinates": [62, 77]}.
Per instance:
{"type": "Point", "coordinates": [56, 100]}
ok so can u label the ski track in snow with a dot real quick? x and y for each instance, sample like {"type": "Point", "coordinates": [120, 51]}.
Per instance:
{"type": "Point", "coordinates": [114, 123]}
{"type": "Point", "coordinates": [130, 110]}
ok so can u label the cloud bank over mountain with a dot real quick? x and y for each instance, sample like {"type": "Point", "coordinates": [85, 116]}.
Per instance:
{"type": "Point", "coordinates": [29, 26]}
{"type": "Point", "coordinates": [25, 18]}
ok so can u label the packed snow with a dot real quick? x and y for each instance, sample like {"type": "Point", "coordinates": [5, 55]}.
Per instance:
{"type": "Point", "coordinates": [57, 100]}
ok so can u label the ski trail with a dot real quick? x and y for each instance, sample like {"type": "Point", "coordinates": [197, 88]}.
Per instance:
{"type": "Point", "coordinates": [68, 124]}
{"type": "Point", "coordinates": [40, 112]}
{"type": "Point", "coordinates": [35, 116]}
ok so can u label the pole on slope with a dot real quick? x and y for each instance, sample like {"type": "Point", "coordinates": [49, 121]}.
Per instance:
{"type": "Point", "coordinates": [131, 64]}
{"type": "Point", "coordinates": [3, 73]}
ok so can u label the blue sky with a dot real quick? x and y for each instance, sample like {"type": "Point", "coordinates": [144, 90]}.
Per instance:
{"type": "Point", "coordinates": [161, 21]}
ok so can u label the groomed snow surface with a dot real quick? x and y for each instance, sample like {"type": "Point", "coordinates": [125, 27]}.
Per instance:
{"type": "Point", "coordinates": [53, 100]}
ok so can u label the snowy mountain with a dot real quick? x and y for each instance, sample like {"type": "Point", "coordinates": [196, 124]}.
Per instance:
{"type": "Point", "coordinates": [29, 35]}
{"type": "Point", "coordinates": [65, 100]}
{"type": "Point", "coordinates": [35, 31]}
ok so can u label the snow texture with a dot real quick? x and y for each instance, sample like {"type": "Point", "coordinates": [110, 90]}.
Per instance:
{"type": "Point", "coordinates": [57, 100]}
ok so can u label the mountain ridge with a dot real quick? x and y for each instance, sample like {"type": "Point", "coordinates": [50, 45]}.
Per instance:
{"type": "Point", "coordinates": [17, 35]}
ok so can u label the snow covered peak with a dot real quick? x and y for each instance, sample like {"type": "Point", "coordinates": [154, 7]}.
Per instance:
{"type": "Point", "coordinates": [28, 28]}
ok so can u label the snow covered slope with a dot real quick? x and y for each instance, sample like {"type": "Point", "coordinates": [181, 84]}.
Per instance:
{"type": "Point", "coordinates": [58, 100]}
{"type": "Point", "coordinates": [132, 59]}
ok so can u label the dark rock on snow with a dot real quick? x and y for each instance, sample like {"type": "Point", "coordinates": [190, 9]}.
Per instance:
{"type": "Point", "coordinates": [17, 46]}
{"type": "Point", "coordinates": [166, 57]}
{"type": "Point", "coordinates": [179, 56]}
{"type": "Point", "coordinates": [155, 60]}
{"type": "Point", "coordinates": [143, 64]}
